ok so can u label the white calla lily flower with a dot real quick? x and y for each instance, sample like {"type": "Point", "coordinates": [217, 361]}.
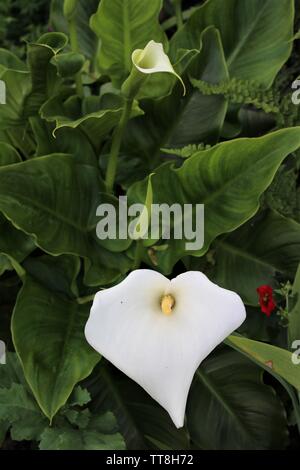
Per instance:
{"type": "Point", "coordinates": [152, 59]}
{"type": "Point", "coordinates": [159, 331]}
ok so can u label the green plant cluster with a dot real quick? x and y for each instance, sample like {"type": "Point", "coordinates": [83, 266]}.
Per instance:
{"type": "Point", "coordinates": [231, 143]}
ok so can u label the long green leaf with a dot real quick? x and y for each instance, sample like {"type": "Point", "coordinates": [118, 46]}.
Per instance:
{"type": "Point", "coordinates": [254, 48]}
{"type": "Point", "coordinates": [277, 359]}
{"type": "Point", "coordinates": [54, 198]}
{"type": "Point", "coordinates": [217, 178]}
{"type": "Point", "coordinates": [252, 255]}
{"type": "Point", "coordinates": [230, 407]}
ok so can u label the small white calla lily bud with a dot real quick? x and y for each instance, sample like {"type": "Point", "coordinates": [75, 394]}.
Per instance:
{"type": "Point", "coordinates": [141, 226]}
{"type": "Point", "coordinates": [152, 59]}
{"type": "Point", "coordinates": [159, 331]}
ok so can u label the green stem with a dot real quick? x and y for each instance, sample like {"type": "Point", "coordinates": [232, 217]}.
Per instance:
{"type": "Point", "coordinates": [115, 147]}
{"type": "Point", "coordinates": [290, 390]}
{"type": "Point", "coordinates": [138, 255]}
{"type": "Point", "coordinates": [75, 48]}
{"type": "Point", "coordinates": [178, 13]}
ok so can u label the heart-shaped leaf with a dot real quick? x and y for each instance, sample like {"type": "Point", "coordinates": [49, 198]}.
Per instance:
{"type": "Point", "coordinates": [123, 26]}
{"type": "Point", "coordinates": [252, 255]}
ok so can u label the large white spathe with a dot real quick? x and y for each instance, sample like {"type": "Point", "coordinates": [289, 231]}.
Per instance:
{"type": "Point", "coordinates": [157, 342]}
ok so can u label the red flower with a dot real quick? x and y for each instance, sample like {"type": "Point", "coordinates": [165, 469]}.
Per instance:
{"type": "Point", "coordinates": [267, 303]}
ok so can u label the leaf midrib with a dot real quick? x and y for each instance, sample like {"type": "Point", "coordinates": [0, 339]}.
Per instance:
{"type": "Point", "coordinates": [120, 402]}
{"type": "Point", "coordinates": [214, 194]}
{"type": "Point", "coordinates": [126, 35]}
{"type": "Point", "coordinates": [234, 54]}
